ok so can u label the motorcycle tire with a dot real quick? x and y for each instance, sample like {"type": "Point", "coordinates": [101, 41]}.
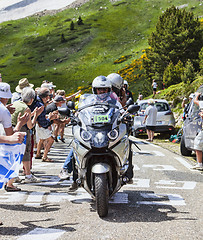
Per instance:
{"type": "Point", "coordinates": [101, 194]}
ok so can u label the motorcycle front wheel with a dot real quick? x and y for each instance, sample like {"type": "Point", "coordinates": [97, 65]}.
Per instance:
{"type": "Point", "coordinates": [101, 194]}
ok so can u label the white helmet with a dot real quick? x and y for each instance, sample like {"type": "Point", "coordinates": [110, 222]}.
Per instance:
{"type": "Point", "coordinates": [100, 82]}
{"type": "Point", "coordinates": [116, 80]}
{"type": "Point", "coordinates": [125, 82]}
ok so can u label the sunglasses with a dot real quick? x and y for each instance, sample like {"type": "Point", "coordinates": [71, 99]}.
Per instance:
{"type": "Point", "coordinates": [102, 89]}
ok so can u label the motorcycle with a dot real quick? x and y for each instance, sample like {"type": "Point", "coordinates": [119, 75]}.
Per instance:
{"type": "Point", "coordinates": [101, 148]}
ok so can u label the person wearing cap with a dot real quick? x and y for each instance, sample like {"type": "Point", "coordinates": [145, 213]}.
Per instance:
{"type": "Point", "coordinates": [187, 106]}
{"type": "Point", "coordinates": [150, 119]}
{"type": "Point", "coordinates": [21, 84]}
{"type": "Point", "coordinates": [43, 124]}
{"type": "Point", "coordinates": [51, 87]}
{"type": "Point", "coordinates": [5, 120]}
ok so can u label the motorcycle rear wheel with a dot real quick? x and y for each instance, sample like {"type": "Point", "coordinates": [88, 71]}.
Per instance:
{"type": "Point", "coordinates": [101, 194]}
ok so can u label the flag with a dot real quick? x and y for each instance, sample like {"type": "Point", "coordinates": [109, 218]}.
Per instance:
{"type": "Point", "coordinates": [11, 156]}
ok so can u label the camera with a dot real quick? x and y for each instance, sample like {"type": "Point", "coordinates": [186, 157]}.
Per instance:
{"type": "Point", "coordinates": [200, 98]}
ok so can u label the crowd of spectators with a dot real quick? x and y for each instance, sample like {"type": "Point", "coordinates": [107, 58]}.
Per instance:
{"type": "Point", "coordinates": [34, 113]}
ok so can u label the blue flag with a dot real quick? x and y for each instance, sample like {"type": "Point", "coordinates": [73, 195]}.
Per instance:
{"type": "Point", "coordinates": [11, 156]}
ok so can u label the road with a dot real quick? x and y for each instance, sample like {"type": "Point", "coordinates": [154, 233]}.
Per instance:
{"type": "Point", "coordinates": [164, 202]}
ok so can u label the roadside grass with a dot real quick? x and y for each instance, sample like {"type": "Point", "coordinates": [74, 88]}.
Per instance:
{"type": "Point", "coordinates": [32, 47]}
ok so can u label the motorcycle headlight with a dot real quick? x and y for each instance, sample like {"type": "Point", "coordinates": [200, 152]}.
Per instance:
{"type": "Point", "coordinates": [113, 134]}
{"type": "Point", "coordinates": [86, 136]}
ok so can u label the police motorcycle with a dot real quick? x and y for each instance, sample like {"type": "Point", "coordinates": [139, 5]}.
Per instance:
{"type": "Point", "coordinates": [101, 148]}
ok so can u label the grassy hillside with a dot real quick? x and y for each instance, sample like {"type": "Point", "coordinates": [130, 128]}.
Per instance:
{"type": "Point", "coordinates": [32, 47]}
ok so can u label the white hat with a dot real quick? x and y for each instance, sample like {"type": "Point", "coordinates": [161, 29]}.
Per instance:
{"type": "Point", "coordinates": [150, 101]}
{"type": "Point", "coordinates": [48, 85]}
{"type": "Point", "coordinates": [192, 95]}
{"type": "Point", "coordinates": [5, 91]}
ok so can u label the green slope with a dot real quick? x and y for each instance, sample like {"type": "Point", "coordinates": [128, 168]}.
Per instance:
{"type": "Point", "coordinates": [32, 47]}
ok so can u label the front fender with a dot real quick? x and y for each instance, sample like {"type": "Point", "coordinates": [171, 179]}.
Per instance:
{"type": "Point", "coordinates": [100, 168]}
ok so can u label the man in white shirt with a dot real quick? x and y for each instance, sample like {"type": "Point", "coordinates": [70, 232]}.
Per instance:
{"type": "Point", "coordinates": [198, 141]}
{"type": "Point", "coordinates": [150, 119]}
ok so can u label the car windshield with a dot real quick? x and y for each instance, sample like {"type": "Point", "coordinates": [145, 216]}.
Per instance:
{"type": "Point", "coordinates": [161, 106]}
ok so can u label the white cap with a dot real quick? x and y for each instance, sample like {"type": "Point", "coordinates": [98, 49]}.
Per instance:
{"type": "Point", "coordinates": [5, 91]}
{"type": "Point", "coordinates": [48, 85]}
{"type": "Point", "coordinates": [192, 95]}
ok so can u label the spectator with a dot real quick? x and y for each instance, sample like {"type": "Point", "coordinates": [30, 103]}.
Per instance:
{"type": "Point", "coordinates": [28, 96]}
{"type": "Point", "coordinates": [43, 126]}
{"type": "Point", "coordinates": [59, 123]}
{"type": "Point", "coordinates": [187, 106]}
{"type": "Point", "coordinates": [51, 87]}
{"type": "Point", "coordinates": [21, 84]}
{"type": "Point", "coordinates": [150, 119]}
{"type": "Point", "coordinates": [12, 139]}
{"type": "Point", "coordinates": [140, 97]}
{"type": "Point", "coordinates": [154, 87]}
{"type": "Point", "coordinates": [5, 120]}
{"type": "Point", "coordinates": [127, 92]}
{"type": "Point", "coordinates": [198, 141]}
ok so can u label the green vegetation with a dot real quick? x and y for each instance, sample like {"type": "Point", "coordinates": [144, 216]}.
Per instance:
{"type": "Point", "coordinates": [47, 47]}
{"type": "Point", "coordinates": [175, 44]}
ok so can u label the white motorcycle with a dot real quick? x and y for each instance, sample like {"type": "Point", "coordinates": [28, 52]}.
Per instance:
{"type": "Point", "coordinates": [101, 148]}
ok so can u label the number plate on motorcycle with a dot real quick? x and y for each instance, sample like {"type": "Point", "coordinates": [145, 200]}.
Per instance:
{"type": "Point", "coordinates": [101, 118]}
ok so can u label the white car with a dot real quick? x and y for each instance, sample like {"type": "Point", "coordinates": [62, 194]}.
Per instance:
{"type": "Point", "coordinates": [165, 119]}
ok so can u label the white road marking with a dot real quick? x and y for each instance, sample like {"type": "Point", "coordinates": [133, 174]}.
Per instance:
{"type": "Point", "coordinates": [13, 197]}
{"type": "Point", "coordinates": [42, 234]}
{"type": "Point", "coordinates": [34, 199]}
{"type": "Point", "coordinates": [157, 167]}
{"type": "Point", "coordinates": [119, 198]}
{"type": "Point", "coordinates": [139, 183]}
{"type": "Point", "coordinates": [169, 199]}
{"type": "Point", "coordinates": [184, 163]}
{"type": "Point", "coordinates": [185, 185]}
{"type": "Point", "coordinates": [159, 154]}
{"type": "Point", "coordinates": [136, 168]}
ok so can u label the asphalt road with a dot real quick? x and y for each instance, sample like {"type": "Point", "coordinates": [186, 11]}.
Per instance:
{"type": "Point", "coordinates": [164, 202]}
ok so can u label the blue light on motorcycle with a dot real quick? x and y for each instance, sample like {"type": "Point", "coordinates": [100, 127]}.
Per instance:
{"type": "Point", "coordinates": [113, 134]}
{"type": "Point", "coordinates": [86, 136]}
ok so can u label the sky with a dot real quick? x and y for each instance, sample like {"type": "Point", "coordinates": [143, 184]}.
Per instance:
{"type": "Point", "coordinates": [15, 9]}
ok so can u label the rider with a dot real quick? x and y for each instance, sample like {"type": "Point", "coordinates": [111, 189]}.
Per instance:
{"type": "Point", "coordinates": [118, 87]}
{"type": "Point", "coordinates": [101, 87]}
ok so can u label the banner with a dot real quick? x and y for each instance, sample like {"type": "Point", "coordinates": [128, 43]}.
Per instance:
{"type": "Point", "coordinates": [11, 156]}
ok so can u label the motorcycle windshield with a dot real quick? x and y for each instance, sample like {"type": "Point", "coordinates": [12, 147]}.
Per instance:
{"type": "Point", "coordinates": [98, 114]}
{"type": "Point", "coordinates": [96, 110]}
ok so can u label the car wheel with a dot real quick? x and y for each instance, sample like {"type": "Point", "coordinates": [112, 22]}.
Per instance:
{"type": "Point", "coordinates": [184, 151]}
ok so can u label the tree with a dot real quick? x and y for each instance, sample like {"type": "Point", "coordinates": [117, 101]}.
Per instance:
{"type": "Point", "coordinates": [189, 73]}
{"type": "Point", "coordinates": [72, 26]}
{"type": "Point", "coordinates": [63, 38]}
{"type": "Point", "coordinates": [172, 74]}
{"type": "Point", "coordinates": [201, 61]}
{"type": "Point", "coordinates": [80, 21]}
{"type": "Point", "coordinates": [177, 37]}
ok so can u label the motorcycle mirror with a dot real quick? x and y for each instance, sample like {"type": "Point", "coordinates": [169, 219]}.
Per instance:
{"type": "Point", "coordinates": [129, 102]}
{"type": "Point", "coordinates": [133, 108]}
{"type": "Point", "coordinates": [64, 111]}
{"type": "Point", "coordinates": [71, 105]}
